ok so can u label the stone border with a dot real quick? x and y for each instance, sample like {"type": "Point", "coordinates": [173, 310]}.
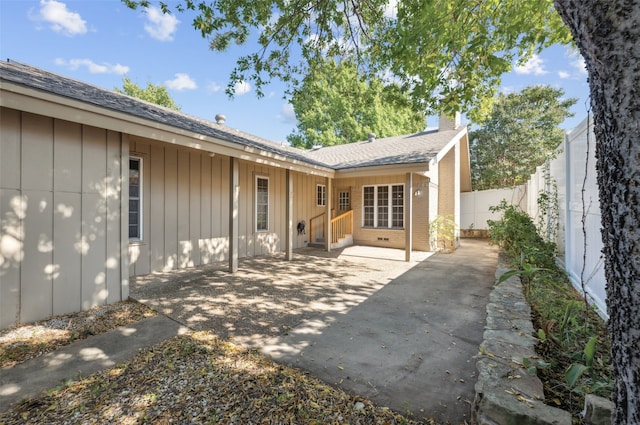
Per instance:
{"type": "Point", "coordinates": [505, 393]}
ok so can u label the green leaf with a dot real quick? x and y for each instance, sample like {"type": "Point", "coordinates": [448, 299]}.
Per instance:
{"type": "Point", "coordinates": [542, 335]}
{"type": "Point", "coordinates": [574, 373]}
{"type": "Point", "coordinates": [590, 350]}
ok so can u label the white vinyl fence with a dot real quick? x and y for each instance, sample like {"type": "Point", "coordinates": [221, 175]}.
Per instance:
{"type": "Point", "coordinates": [563, 178]}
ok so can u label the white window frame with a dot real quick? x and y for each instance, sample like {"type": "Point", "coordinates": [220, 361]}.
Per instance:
{"type": "Point", "coordinates": [257, 203]}
{"type": "Point", "coordinates": [344, 200]}
{"type": "Point", "coordinates": [390, 206]}
{"type": "Point", "coordinates": [321, 195]}
{"type": "Point", "coordinates": [139, 198]}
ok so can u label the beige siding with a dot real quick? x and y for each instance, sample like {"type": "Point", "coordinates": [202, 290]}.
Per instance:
{"type": "Point", "coordinates": [37, 152]}
{"type": "Point", "coordinates": [421, 214]}
{"type": "Point", "coordinates": [36, 285]}
{"type": "Point", "coordinates": [157, 204]}
{"type": "Point", "coordinates": [114, 222]}
{"type": "Point", "coordinates": [67, 222]}
{"type": "Point", "coordinates": [9, 149]}
{"type": "Point", "coordinates": [94, 212]}
{"type": "Point", "coordinates": [186, 218]}
{"type": "Point", "coordinates": [390, 238]}
{"type": "Point", "coordinates": [56, 256]}
{"type": "Point", "coordinates": [68, 158]}
{"type": "Point", "coordinates": [166, 219]}
{"type": "Point", "coordinates": [305, 208]}
{"type": "Point", "coordinates": [446, 187]}
{"type": "Point", "coordinates": [11, 255]}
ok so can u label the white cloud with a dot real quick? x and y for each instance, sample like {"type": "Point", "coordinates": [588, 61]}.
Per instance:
{"type": "Point", "coordinates": [288, 114]}
{"type": "Point", "coordinates": [160, 26]}
{"type": "Point", "coordinates": [578, 64]}
{"type": "Point", "coordinates": [61, 19]}
{"type": "Point", "coordinates": [181, 82]}
{"type": "Point", "coordinates": [535, 66]}
{"type": "Point", "coordinates": [507, 90]}
{"type": "Point", "coordinates": [213, 87]}
{"type": "Point", "coordinates": [564, 74]}
{"type": "Point", "coordinates": [391, 10]}
{"type": "Point", "coordinates": [92, 67]}
{"type": "Point", "coordinates": [241, 88]}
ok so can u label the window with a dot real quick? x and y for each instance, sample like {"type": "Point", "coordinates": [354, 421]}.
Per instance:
{"type": "Point", "coordinates": [262, 204]}
{"type": "Point", "coordinates": [344, 204]}
{"type": "Point", "coordinates": [397, 206]}
{"type": "Point", "coordinates": [321, 195]}
{"type": "Point", "coordinates": [368, 206]}
{"type": "Point", "coordinates": [135, 198]}
{"type": "Point", "coordinates": [383, 206]}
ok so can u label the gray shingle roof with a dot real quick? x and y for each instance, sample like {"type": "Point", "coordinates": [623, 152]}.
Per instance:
{"type": "Point", "coordinates": [46, 81]}
{"type": "Point", "coordinates": [409, 149]}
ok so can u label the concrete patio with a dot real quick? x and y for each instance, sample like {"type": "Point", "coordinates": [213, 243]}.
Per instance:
{"type": "Point", "coordinates": [361, 318]}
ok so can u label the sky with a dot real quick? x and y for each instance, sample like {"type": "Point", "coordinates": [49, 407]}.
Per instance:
{"type": "Point", "coordinates": [102, 41]}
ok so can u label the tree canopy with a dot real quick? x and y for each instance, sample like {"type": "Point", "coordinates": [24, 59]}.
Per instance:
{"type": "Point", "coordinates": [336, 104]}
{"type": "Point", "coordinates": [448, 55]}
{"type": "Point", "coordinates": [452, 54]}
{"type": "Point", "coordinates": [520, 133]}
{"type": "Point", "coordinates": [157, 94]}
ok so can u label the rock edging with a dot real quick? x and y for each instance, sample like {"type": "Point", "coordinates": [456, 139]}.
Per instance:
{"type": "Point", "coordinates": [505, 393]}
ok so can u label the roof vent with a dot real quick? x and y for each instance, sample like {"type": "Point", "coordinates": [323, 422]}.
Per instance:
{"type": "Point", "coordinates": [220, 119]}
{"type": "Point", "coordinates": [372, 137]}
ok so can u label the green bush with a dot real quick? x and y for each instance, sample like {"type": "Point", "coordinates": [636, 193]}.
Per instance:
{"type": "Point", "coordinates": [518, 237]}
{"type": "Point", "coordinates": [573, 341]}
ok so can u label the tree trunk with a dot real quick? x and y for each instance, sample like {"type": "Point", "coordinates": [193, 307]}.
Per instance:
{"type": "Point", "coordinates": [607, 33]}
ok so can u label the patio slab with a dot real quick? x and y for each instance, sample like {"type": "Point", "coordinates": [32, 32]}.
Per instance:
{"type": "Point", "coordinates": [402, 334]}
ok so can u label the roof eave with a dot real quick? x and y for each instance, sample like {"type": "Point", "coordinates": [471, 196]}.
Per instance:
{"type": "Point", "coordinates": [383, 170]}
{"type": "Point", "coordinates": [20, 97]}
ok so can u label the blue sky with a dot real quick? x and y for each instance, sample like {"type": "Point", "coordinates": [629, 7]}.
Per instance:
{"type": "Point", "coordinates": [101, 41]}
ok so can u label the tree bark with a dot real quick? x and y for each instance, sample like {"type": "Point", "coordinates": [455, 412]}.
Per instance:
{"type": "Point", "coordinates": [607, 33]}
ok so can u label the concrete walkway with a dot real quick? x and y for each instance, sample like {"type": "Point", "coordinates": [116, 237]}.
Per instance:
{"type": "Point", "coordinates": [82, 358]}
{"type": "Point", "coordinates": [402, 334]}
{"type": "Point", "coordinates": [409, 346]}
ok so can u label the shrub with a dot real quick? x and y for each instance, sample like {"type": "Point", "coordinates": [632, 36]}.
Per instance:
{"type": "Point", "coordinates": [573, 341]}
{"type": "Point", "coordinates": [518, 237]}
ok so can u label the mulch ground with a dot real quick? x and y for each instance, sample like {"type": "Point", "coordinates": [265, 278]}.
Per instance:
{"type": "Point", "coordinates": [192, 378]}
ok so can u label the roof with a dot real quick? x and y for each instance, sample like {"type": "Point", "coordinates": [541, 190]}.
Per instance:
{"type": "Point", "coordinates": [49, 82]}
{"type": "Point", "coordinates": [409, 149]}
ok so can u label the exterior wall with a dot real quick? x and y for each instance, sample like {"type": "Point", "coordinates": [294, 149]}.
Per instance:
{"type": "Point", "coordinates": [446, 186]}
{"type": "Point", "coordinates": [421, 211]}
{"type": "Point", "coordinates": [186, 208]}
{"type": "Point", "coordinates": [449, 189]}
{"type": "Point", "coordinates": [185, 202]}
{"type": "Point", "coordinates": [305, 208]}
{"type": "Point", "coordinates": [61, 217]}
{"type": "Point", "coordinates": [389, 238]}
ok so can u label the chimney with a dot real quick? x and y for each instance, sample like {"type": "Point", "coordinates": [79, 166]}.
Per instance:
{"type": "Point", "coordinates": [220, 119]}
{"type": "Point", "coordinates": [372, 137]}
{"type": "Point", "coordinates": [445, 123]}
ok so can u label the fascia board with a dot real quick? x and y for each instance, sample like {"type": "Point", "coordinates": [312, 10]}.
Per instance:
{"type": "Point", "coordinates": [35, 101]}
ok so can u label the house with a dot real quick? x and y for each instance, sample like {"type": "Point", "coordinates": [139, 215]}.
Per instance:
{"type": "Point", "coordinates": [97, 187]}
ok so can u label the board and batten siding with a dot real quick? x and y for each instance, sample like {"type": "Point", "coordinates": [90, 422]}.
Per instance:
{"type": "Point", "coordinates": [61, 217]}
{"type": "Point", "coordinates": [185, 202]}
